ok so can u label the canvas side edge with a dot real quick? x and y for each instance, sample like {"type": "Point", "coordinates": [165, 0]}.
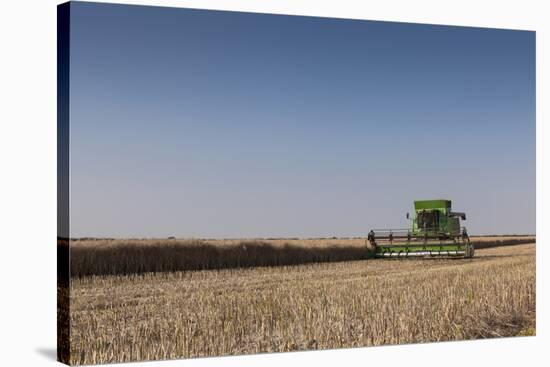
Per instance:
{"type": "Point", "coordinates": [63, 256]}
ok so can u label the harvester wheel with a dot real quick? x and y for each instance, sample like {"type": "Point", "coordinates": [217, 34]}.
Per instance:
{"type": "Point", "coordinates": [469, 251]}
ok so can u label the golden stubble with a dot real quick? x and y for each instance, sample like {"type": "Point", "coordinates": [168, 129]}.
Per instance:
{"type": "Point", "coordinates": [314, 306]}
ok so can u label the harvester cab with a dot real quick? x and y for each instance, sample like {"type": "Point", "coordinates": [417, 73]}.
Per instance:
{"type": "Point", "coordinates": [435, 232]}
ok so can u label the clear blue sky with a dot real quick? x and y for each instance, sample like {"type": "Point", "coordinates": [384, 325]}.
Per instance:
{"type": "Point", "coordinates": [224, 124]}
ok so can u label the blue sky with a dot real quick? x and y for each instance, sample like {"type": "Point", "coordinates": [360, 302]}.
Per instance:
{"type": "Point", "coordinates": [224, 124]}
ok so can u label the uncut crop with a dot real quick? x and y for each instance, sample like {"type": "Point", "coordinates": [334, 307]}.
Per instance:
{"type": "Point", "coordinates": [330, 305]}
{"type": "Point", "coordinates": [121, 257]}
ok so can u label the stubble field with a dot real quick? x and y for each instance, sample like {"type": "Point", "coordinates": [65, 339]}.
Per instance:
{"type": "Point", "coordinates": [143, 316]}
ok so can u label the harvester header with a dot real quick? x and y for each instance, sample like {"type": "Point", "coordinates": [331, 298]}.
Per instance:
{"type": "Point", "coordinates": [435, 232]}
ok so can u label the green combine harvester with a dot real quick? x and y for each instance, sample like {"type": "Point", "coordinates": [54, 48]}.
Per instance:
{"type": "Point", "coordinates": [435, 232]}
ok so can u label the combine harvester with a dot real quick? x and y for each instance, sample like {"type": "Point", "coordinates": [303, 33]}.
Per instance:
{"type": "Point", "coordinates": [435, 232]}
